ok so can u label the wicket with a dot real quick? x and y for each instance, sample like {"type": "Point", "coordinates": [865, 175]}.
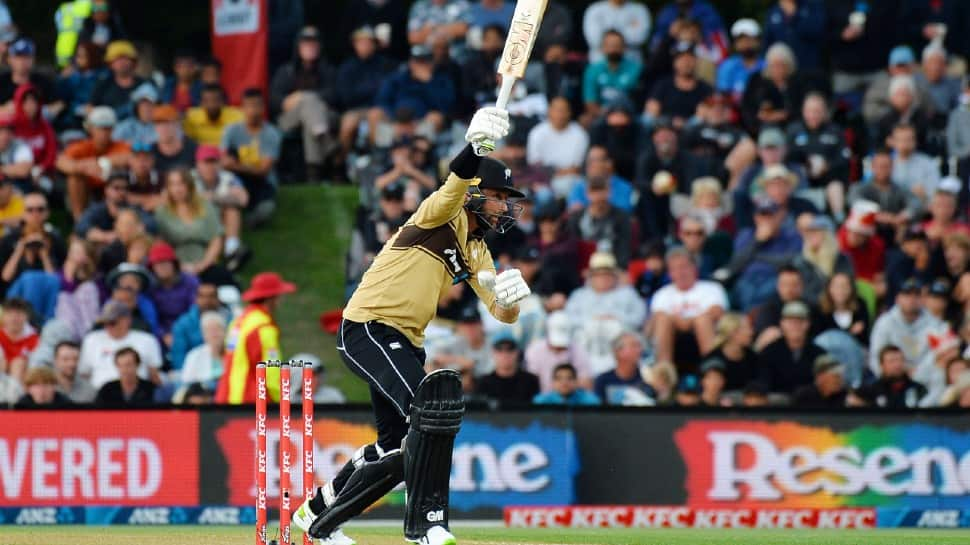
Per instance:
{"type": "Point", "coordinates": [286, 447]}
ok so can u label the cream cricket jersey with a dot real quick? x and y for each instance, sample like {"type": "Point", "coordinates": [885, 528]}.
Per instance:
{"type": "Point", "coordinates": [416, 267]}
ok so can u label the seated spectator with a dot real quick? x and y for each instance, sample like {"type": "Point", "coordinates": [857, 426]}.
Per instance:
{"type": "Point", "coordinates": [841, 308]}
{"type": "Point", "coordinates": [415, 92]}
{"type": "Point", "coordinates": [943, 89]}
{"type": "Point", "coordinates": [114, 90]}
{"type": "Point", "coordinates": [733, 339]}
{"type": "Point", "coordinates": [225, 191]}
{"type": "Point", "coordinates": [129, 389]}
{"type": "Point", "coordinates": [145, 189]}
{"type": "Point", "coordinates": [932, 370]}
{"type": "Point", "coordinates": [322, 393]}
{"type": "Point", "coordinates": [187, 329]}
{"type": "Point", "coordinates": [203, 364]}
{"type": "Point", "coordinates": [615, 76]}
{"type": "Point", "coordinates": [604, 296]}
{"type": "Point", "coordinates": [828, 390]}
{"type": "Point", "coordinates": [77, 83]}
{"type": "Point", "coordinates": [77, 389]}
{"type": "Point", "coordinates": [759, 253]}
{"type": "Point", "coordinates": [17, 337]}
{"type": "Point", "coordinates": [210, 72]}
{"type": "Point", "coordinates": [685, 312]}
{"type": "Point", "coordinates": [507, 383]}
{"type": "Point", "coordinates": [250, 150]}
{"type": "Point", "coordinates": [943, 221]}
{"type": "Point", "coordinates": [565, 389]}
{"type": "Point", "coordinates": [787, 363]}
{"type": "Point", "coordinates": [129, 283]}
{"type": "Point", "coordinates": [16, 159]}
{"type": "Point", "coordinates": [302, 94]}
{"type": "Point", "coordinates": [207, 122]}
{"type": "Point", "coordinates": [138, 129]}
{"type": "Point", "coordinates": [902, 65]}
{"type": "Point", "coordinates": [86, 163]}
{"type": "Point", "coordinates": [20, 59]}
{"type": "Point", "coordinates": [734, 72]}
{"type": "Point", "coordinates": [599, 167]}
{"type": "Point", "coordinates": [712, 38]}
{"type": "Point", "coordinates": [171, 149]}
{"type": "Point", "coordinates": [103, 26]}
{"type": "Point", "coordinates": [662, 378]}
{"type": "Point", "coordinates": [912, 169]}
{"type": "Point", "coordinates": [958, 395]}
{"type": "Point", "coordinates": [466, 350]}
{"type": "Point", "coordinates": [30, 127]}
{"type": "Point", "coordinates": [710, 248]}
{"type": "Point", "coordinates": [34, 245]}
{"type": "Point", "coordinates": [755, 394]}
{"type": "Point", "coordinates": [713, 372]}
{"type": "Point", "coordinates": [41, 386]}
{"type": "Point", "coordinates": [958, 130]}
{"type": "Point", "coordinates": [558, 249]}
{"type": "Point", "coordinates": [78, 301]}
{"type": "Point", "coordinates": [678, 96]}
{"type": "Point", "coordinates": [404, 173]}
{"type": "Point", "coordinates": [357, 83]}
{"type": "Point", "coordinates": [821, 257]}
{"type": "Point", "coordinates": [857, 240]}
{"type": "Point", "coordinates": [544, 356]}
{"type": "Point", "coordinates": [99, 347]}
{"type": "Point", "coordinates": [897, 206]}
{"type": "Point", "coordinates": [189, 223]}
{"type": "Point", "coordinates": [130, 242]}
{"type": "Point", "coordinates": [447, 17]}
{"type": "Point", "coordinates": [688, 392]}
{"type": "Point", "coordinates": [956, 255]}
{"type": "Point", "coordinates": [632, 19]}
{"type": "Point", "coordinates": [903, 111]}
{"type": "Point", "coordinates": [779, 183]}
{"type": "Point", "coordinates": [789, 286]}
{"type": "Point", "coordinates": [601, 222]}
{"type": "Point", "coordinates": [173, 291]}
{"type": "Point", "coordinates": [623, 385]}
{"type": "Point", "coordinates": [373, 230]}
{"type": "Point", "coordinates": [772, 97]}
{"type": "Point", "coordinates": [183, 89]}
{"type": "Point", "coordinates": [622, 133]}
{"type": "Point", "coordinates": [895, 389]}
{"type": "Point", "coordinates": [712, 138]}
{"type": "Point", "coordinates": [478, 81]}
{"type": "Point", "coordinates": [818, 145]}
{"type": "Point", "coordinates": [907, 325]}
{"type": "Point", "coordinates": [936, 299]}
{"type": "Point", "coordinates": [97, 224]}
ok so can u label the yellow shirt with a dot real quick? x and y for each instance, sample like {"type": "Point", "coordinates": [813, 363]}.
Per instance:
{"type": "Point", "coordinates": [198, 127]}
{"type": "Point", "coordinates": [418, 264]}
{"type": "Point", "coordinates": [13, 209]}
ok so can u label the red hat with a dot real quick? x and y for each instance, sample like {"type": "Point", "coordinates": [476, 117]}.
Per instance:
{"type": "Point", "coordinates": [159, 252]}
{"type": "Point", "coordinates": [266, 285]}
{"type": "Point", "coordinates": [207, 152]}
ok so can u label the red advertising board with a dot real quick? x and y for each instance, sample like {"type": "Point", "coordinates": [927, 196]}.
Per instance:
{"type": "Point", "coordinates": [675, 516]}
{"type": "Point", "coordinates": [99, 458]}
{"type": "Point", "coordinates": [240, 42]}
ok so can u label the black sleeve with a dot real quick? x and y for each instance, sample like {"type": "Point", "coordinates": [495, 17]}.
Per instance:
{"type": "Point", "coordinates": [466, 163]}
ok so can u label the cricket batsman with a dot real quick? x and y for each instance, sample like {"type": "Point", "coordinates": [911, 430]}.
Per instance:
{"type": "Point", "coordinates": [418, 415]}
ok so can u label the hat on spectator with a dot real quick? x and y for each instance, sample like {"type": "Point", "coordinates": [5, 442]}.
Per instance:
{"type": "Point", "coordinates": [165, 113]}
{"type": "Point", "coordinates": [309, 33]}
{"type": "Point", "coordinates": [129, 268]}
{"type": "Point", "coordinates": [955, 390]}
{"type": "Point", "coordinates": [713, 363]}
{"type": "Point", "coordinates": [102, 117]}
{"type": "Point", "coordinates": [940, 288]}
{"type": "Point", "coordinates": [763, 204]}
{"type": "Point", "coordinates": [821, 222]}
{"type": "Point", "coordinates": [795, 309]}
{"type": "Point", "coordinates": [469, 315]}
{"type": "Point", "coordinates": [393, 192]}
{"type": "Point", "coordinates": [619, 103]}
{"type": "Point", "coordinates": [23, 47]}
{"type": "Point", "coordinates": [113, 311]}
{"type": "Point", "coordinates": [941, 341]}
{"type": "Point", "coordinates": [207, 152]}
{"type": "Point", "coordinates": [680, 48]}
{"type": "Point", "coordinates": [141, 146]}
{"type": "Point", "coordinates": [755, 387]}
{"type": "Point", "coordinates": [745, 27]}
{"type": "Point", "coordinates": [777, 172]}
{"type": "Point", "coordinates": [548, 211]}
{"type": "Point", "coordinates": [771, 137]}
{"type": "Point", "coordinates": [862, 217]}
{"type": "Point", "coordinates": [901, 54]}
{"type": "Point", "coordinates": [950, 184]}
{"type": "Point", "coordinates": [601, 261]}
{"type": "Point", "coordinates": [826, 363]}
{"type": "Point", "coordinates": [421, 52]}
{"type": "Point", "coordinates": [528, 252]}
{"type": "Point", "coordinates": [161, 251]}
{"type": "Point", "coordinates": [265, 285]}
{"type": "Point", "coordinates": [363, 32]}
{"type": "Point", "coordinates": [118, 49]}
{"type": "Point", "coordinates": [689, 384]}
{"type": "Point", "coordinates": [663, 122]}
{"type": "Point", "coordinates": [505, 339]}
{"type": "Point", "coordinates": [911, 285]}
{"type": "Point", "coordinates": [145, 91]}
{"type": "Point", "coordinates": [558, 329]}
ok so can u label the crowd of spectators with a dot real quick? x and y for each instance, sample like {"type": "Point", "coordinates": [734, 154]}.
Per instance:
{"type": "Point", "coordinates": [767, 211]}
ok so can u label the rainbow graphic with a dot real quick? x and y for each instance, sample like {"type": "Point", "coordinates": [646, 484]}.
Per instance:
{"type": "Point", "coordinates": [785, 464]}
{"type": "Point", "coordinates": [337, 440]}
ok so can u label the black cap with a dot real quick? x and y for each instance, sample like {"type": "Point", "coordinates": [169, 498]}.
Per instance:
{"type": "Point", "coordinates": [619, 103]}
{"type": "Point", "coordinates": [713, 363]}
{"type": "Point", "coordinates": [393, 192]}
{"type": "Point", "coordinates": [469, 315]}
{"type": "Point", "coordinates": [529, 252]}
{"type": "Point", "coordinates": [421, 52]}
{"type": "Point", "coordinates": [940, 287]}
{"type": "Point", "coordinates": [914, 232]}
{"type": "Point", "coordinates": [756, 388]}
{"type": "Point", "coordinates": [547, 211]}
{"type": "Point", "coordinates": [911, 285]}
{"type": "Point", "coordinates": [495, 175]}
{"type": "Point", "coordinates": [310, 33]}
{"type": "Point", "coordinates": [663, 122]}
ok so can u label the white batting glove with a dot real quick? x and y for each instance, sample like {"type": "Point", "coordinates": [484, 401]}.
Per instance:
{"type": "Point", "coordinates": [487, 127]}
{"type": "Point", "coordinates": [509, 286]}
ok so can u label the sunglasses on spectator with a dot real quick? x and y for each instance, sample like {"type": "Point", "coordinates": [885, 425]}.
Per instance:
{"type": "Point", "coordinates": [36, 209]}
{"type": "Point", "coordinates": [692, 233]}
{"type": "Point", "coordinates": [130, 289]}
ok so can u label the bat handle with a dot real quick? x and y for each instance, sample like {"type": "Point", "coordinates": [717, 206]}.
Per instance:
{"type": "Point", "coordinates": [505, 91]}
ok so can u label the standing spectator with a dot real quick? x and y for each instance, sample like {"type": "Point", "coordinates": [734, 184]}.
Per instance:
{"type": "Point", "coordinates": [20, 57]}
{"type": "Point", "coordinates": [630, 19]}
{"type": "Point", "coordinates": [30, 127]}
{"type": "Point", "coordinates": [103, 26]}
{"type": "Point", "coordinates": [16, 159]}
{"type": "Point", "coordinates": [907, 325]}
{"type": "Point", "coordinates": [624, 385]}
{"type": "Point", "coordinates": [902, 62]}
{"type": "Point", "coordinates": [207, 122]}
{"type": "Point", "coordinates": [544, 355]}
{"type": "Point", "coordinates": [33, 246]}
{"type": "Point", "coordinates": [565, 389]}
{"type": "Point", "coordinates": [733, 338]}
{"type": "Point", "coordinates": [622, 134]}
{"type": "Point", "coordinates": [41, 386]}
{"type": "Point", "coordinates": [189, 223]}
{"type": "Point", "coordinates": [786, 364]}
{"type": "Point", "coordinates": [685, 312]}
{"type": "Point", "coordinates": [958, 132]}
{"type": "Point", "coordinates": [302, 94]}
{"type": "Point", "coordinates": [76, 85]}
{"type": "Point", "coordinates": [225, 191]}
{"type": "Point", "coordinates": [773, 96]}
{"type": "Point", "coordinates": [447, 17]}
{"type": "Point", "coordinates": [66, 357]}
{"type": "Point", "coordinates": [129, 389]}
{"type": "Point", "coordinates": [139, 127]}
{"type": "Point", "coordinates": [799, 24]}
{"type": "Point", "coordinates": [285, 19]}
{"type": "Point", "coordinates": [171, 148]}
{"type": "Point", "coordinates": [100, 345]}
{"type": "Point", "coordinates": [173, 291]}
{"type": "Point", "coordinates": [357, 83]}
{"type": "Point", "coordinates": [507, 383]}
{"type": "Point", "coordinates": [601, 222]}
{"type": "Point", "coordinates": [17, 337]}
{"type": "Point", "coordinates": [250, 150]}
{"type": "Point", "coordinates": [560, 144]}
{"type": "Point", "coordinates": [677, 96]}
{"type": "Point", "coordinates": [187, 329]}
{"type": "Point", "coordinates": [944, 89]}
{"type": "Point", "coordinates": [734, 72]}
{"type": "Point", "coordinates": [415, 93]}
{"type": "Point", "coordinates": [714, 40]}
{"type": "Point", "coordinates": [610, 78]}
{"type": "Point", "coordinates": [895, 389]}
{"type": "Point", "coordinates": [859, 37]}
{"type": "Point", "coordinates": [114, 90]}
{"type": "Point", "coordinates": [828, 389]}
{"type": "Point", "coordinates": [913, 169]}
{"type": "Point", "coordinates": [943, 222]}
{"type": "Point", "coordinates": [183, 89]}
{"type": "Point", "coordinates": [86, 163]}
{"type": "Point", "coordinates": [203, 363]}
{"type": "Point", "coordinates": [857, 239]}
{"type": "Point", "coordinates": [818, 145]}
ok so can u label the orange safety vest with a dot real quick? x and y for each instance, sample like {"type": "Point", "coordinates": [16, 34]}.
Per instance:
{"type": "Point", "coordinates": [253, 337]}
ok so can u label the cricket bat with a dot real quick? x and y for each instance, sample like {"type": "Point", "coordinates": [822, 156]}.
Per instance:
{"type": "Point", "coordinates": [518, 45]}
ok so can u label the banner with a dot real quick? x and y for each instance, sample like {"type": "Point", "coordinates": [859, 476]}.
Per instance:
{"type": "Point", "coordinates": [240, 42]}
{"type": "Point", "coordinates": [99, 458]}
{"type": "Point", "coordinates": [645, 516]}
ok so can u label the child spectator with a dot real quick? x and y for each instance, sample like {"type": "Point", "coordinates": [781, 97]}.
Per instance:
{"type": "Point", "coordinates": [565, 389]}
{"type": "Point", "coordinates": [30, 127]}
{"type": "Point", "coordinates": [17, 337]}
{"type": "Point", "coordinates": [41, 386]}
{"type": "Point", "coordinates": [78, 81]}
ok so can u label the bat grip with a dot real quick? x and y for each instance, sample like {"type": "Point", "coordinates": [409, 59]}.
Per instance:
{"type": "Point", "coordinates": [505, 91]}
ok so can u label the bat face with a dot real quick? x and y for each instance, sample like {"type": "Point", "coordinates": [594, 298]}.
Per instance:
{"type": "Point", "coordinates": [522, 37]}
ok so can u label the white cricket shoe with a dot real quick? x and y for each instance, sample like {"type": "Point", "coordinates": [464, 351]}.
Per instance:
{"type": "Point", "coordinates": [304, 517]}
{"type": "Point", "coordinates": [337, 537]}
{"type": "Point", "coordinates": [437, 535]}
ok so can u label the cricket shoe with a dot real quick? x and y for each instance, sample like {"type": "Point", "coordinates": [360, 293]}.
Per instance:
{"type": "Point", "coordinates": [437, 535]}
{"type": "Point", "coordinates": [304, 517]}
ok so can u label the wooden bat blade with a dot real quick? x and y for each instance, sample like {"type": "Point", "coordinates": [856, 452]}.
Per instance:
{"type": "Point", "coordinates": [522, 37]}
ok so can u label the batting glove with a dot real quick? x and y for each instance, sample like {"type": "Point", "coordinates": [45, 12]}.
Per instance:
{"type": "Point", "coordinates": [487, 127]}
{"type": "Point", "coordinates": [509, 286]}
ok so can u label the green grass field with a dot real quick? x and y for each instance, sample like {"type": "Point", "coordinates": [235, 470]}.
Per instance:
{"type": "Point", "coordinates": [240, 535]}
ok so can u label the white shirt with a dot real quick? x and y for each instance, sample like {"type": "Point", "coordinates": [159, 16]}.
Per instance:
{"type": "Point", "coordinates": [631, 19]}
{"type": "Point", "coordinates": [201, 365]}
{"type": "Point", "coordinates": [557, 149]}
{"type": "Point", "coordinates": [697, 300]}
{"type": "Point", "coordinates": [98, 355]}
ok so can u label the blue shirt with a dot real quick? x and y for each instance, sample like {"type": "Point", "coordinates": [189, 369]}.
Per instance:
{"type": "Point", "coordinates": [578, 397]}
{"type": "Point", "coordinates": [479, 16]}
{"type": "Point", "coordinates": [601, 85]}
{"type": "Point", "coordinates": [802, 32]}
{"type": "Point", "coordinates": [400, 90]}
{"type": "Point", "coordinates": [621, 194]}
{"type": "Point", "coordinates": [610, 388]}
{"type": "Point", "coordinates": [732, 75]}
